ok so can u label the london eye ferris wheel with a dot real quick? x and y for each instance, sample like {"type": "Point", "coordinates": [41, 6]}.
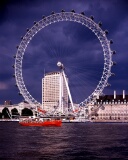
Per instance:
{"type": "Point", "coordinates": [55, 18]}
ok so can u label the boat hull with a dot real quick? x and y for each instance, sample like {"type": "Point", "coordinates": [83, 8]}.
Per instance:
{"type": "Point", "coordinates": [56, 123]}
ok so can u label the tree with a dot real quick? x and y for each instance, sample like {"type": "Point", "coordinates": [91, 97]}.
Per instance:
{"type": "Point", "coordinates": [27, 112]}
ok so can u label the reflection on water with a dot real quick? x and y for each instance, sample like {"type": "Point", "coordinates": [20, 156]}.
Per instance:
{"type": "Point", "coordinates": [71, 141]}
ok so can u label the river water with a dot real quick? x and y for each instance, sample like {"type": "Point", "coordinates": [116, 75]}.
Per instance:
{"type": "Point", "coordinates": [72, 141]}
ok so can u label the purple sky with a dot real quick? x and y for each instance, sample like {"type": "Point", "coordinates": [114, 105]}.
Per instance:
{"type": "Point", "coordinates": [73, 44]}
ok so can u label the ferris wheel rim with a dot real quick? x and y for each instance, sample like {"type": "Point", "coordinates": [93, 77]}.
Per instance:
{"type": "Point", "coordinates": [54, 18]}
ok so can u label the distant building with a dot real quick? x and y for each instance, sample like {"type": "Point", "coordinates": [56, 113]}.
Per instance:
{"type": "Point", "coordinates": [110, 108]}
{"type": "Point", "coordinates": [53, 86]}
{"type": "Point", "coordinates": [7, 102]}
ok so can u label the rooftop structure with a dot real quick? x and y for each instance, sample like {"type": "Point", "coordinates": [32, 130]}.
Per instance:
{"type": "Point", "coordinates": [110, 108]}
{"type": "Point", "coordinates": [113, 98]}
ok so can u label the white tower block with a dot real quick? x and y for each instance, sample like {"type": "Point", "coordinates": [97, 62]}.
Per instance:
{"type": "Point", "coordinates": [123, 94]}
{"type": "Point", "coordinates": [114, 94]}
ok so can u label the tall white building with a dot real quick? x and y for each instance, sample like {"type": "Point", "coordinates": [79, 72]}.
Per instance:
{"type": "Point", "coordinates": [54, 92]}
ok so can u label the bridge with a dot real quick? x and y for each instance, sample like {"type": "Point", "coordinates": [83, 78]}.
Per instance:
{"type": "Point", "coordinates": [19, 107]}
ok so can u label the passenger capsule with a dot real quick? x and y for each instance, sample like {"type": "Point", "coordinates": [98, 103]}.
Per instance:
{"type": "Point", "coordinates": [92, 17]}
{"type": "Point", "coordinates": [112, 74]}
{"type": "Point", "coordinates": [113, 52]}
{"type": "Point", "coordinates": [111, 41]}
{"type": "Point", "coordinates": [106, 32]}
{"type": "Point", "coordinates": [53, 12]}
{"type": "Point", "coordinates": [73, 11]}
{"type": "Point", "coordinates": [62, 10]}
{"type": "Point", "coordinates": [19, 93]}
{"type": "Point", "coordinates": [108, 85]}
{"type": "Point", "coordinates": [82, 13]}
{"type": "Point", "coordinates": [100, 24]}
{"type": "Point", "coordinates": [113, 63]}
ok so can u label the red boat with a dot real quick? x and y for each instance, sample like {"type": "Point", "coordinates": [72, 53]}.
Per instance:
{"type": "Point", "coordinates": [40, 122]}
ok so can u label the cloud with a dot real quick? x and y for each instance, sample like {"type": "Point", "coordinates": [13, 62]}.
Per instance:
{"type": "Point", "coordinates": [73, 44]}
